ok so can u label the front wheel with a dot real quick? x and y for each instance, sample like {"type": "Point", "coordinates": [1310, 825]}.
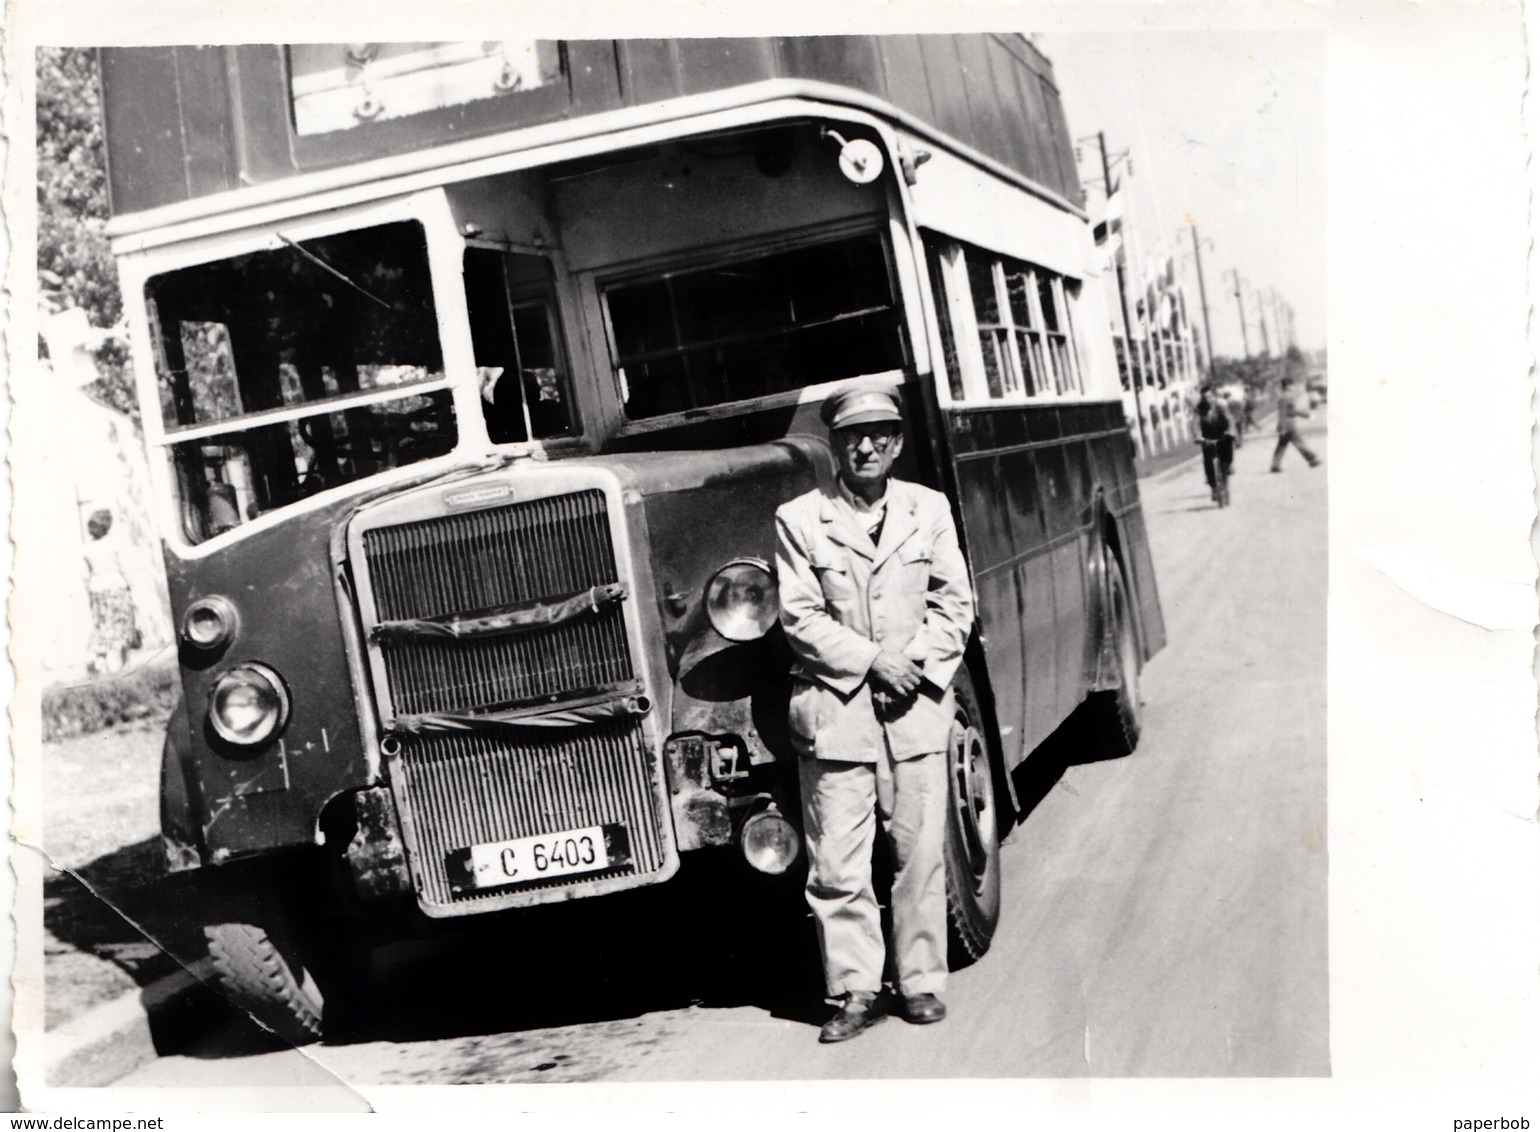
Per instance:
{"type": "Point", "coordinates": [265, 978]}
{"type": "Point", "coordinates": [972, 834]}
{"type": "Point", "coordinates": [283, 955]}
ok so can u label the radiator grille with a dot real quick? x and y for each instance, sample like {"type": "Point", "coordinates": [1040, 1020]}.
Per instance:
{"type": "Point", "coordinates": [468, 563]}
{"type": "Point", "coordinates": [468, 789]}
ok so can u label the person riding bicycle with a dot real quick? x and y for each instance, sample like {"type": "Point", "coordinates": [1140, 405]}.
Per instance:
{"type": "Point", "coordinates": [1218, 439]}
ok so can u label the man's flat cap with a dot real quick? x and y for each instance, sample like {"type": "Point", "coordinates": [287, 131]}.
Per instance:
{"type": "Point", "coordinates": [861, 405]}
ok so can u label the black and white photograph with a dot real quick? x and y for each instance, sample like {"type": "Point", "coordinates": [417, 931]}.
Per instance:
{"type": "Point", "coordinates": [842, 558]}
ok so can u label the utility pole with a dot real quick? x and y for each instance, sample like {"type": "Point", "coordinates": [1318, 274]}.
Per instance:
{"type": "Point", "coordinates": [1241, 306]}
{"type": "Point", "coordinates": [1267, 350]}
{"type": "Point", "coordinates": [1208, 338]}
{"type": "Point", "coordinates": [1128, 337]}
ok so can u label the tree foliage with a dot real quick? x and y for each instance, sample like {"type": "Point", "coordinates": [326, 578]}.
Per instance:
{"type": "Point", "coordinates": [1259, 372]}
{"type": "Point", "coordinates": [75, 266]}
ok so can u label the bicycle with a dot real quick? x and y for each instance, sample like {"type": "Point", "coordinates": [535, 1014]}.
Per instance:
{"type": "Point", "coordinates": [1218, 458]}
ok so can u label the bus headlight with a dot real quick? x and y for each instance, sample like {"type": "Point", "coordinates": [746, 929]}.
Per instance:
{"type": "Point", "coordinates": [741, 601]}
{"type": "Point", "coordinates": [209, 623]}
{"type": "Point", "coordinates": [770, 843]}
{"type": "Point", "coordinates": [248, 705]}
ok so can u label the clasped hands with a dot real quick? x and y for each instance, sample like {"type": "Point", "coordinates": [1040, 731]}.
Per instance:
{"type": "Point", "coordinates": [895, 682]}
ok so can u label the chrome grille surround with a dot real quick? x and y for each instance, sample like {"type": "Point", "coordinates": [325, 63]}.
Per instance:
{"type": "Point", "coordinates": [478, 544]}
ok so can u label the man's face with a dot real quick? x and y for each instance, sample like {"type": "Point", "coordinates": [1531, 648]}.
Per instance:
{"type": "Point", "coordinates": [866, 453]}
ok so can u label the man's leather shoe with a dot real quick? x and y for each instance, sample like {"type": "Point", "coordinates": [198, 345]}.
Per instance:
{"type": "Point", "coordinates": [859, 1013]}
{"type": "Point", "coordinates": [922, 1009]}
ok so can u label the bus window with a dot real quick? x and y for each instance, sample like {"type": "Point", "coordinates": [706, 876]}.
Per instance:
{"type": "Point", "coordinates": [284, 333]}
{"type": "Point", "coordinates": [998, 371]}
{"type": "Point", "coordinates": [515, 332]}
{"type": "Point", "coordinates": [753, 327]}
{"type": "Point", "coordinates": [1025, 330]}
{"type": "Point", "coordinates": [1029, 342]}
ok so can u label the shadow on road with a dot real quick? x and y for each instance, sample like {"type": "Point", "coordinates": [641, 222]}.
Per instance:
{"type": "Point", "coordinates": [125, 911]}
{"type": "Point", "coordinates": [1071, 745]}
{"type": "Point", "coordinates": [717, 936]}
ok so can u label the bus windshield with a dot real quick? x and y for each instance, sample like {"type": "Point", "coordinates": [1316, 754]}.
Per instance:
{"type": "Point", "coordinates": [755, 326]}
{"type": "Point", "coordinates": [300, 367]}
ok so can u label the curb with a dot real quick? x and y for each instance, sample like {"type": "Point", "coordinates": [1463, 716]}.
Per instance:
{"type": "Point", "coordinates": [110, 1041]}
{"type": "Point", "coordinates": [1175, 469]}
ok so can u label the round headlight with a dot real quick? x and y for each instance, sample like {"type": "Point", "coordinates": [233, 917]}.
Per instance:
{"type": "Point", "coordinates": [208, 623]}
{"type": "Point", "coordinates": [770, 843]}
{"type": "Point", "coordinates": [741, 601]}
{"type": "Point", "coordinates": [248, 705]}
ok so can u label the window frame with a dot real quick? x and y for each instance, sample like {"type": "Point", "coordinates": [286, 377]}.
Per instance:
{"type": "Point", "coordinates": [550, 293]}
{"type": "Point", "coordinates": [947, 258]}
{"type": "Point", "coordinates": [445, 242]}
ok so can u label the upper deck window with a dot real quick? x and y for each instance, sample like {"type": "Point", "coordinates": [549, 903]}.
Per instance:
{"type": "Point", "coordinates": [754, 326]}
{"type": "Point", "coordinates": [1023, 315]}
{"type": "Point", "coordinates": [339, 86]}
{"type": "Point", "coordinates": [290, 370]}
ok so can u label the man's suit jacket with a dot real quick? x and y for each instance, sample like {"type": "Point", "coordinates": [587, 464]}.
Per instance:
{"type": "Point", "coordinates": [843, 599]}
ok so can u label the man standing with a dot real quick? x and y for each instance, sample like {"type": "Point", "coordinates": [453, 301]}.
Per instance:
{"type": "Point", "coordinates": [1288, 412]}
{"type": "Point", "coordinates": [877, 606]}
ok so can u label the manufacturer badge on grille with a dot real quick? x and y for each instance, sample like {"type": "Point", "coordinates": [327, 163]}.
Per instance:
{"type": "Point", "coordinates": [463, 497]}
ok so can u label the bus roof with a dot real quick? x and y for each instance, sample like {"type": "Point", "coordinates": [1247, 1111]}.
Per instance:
{"type": "Point", "coordinates": [185, 123]}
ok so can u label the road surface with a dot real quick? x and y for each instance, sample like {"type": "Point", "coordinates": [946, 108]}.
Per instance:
{"type": "Point", "coordinates": [1165, 914]}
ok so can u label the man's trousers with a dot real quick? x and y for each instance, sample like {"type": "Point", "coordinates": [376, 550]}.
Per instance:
{"type": "Point", "coordinates": [1291, 436]}
{"type": "Point", "coordinates": [841, 803]}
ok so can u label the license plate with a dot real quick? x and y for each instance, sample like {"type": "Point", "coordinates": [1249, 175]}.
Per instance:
{"type": "Point", "coordinates": [545, 856]}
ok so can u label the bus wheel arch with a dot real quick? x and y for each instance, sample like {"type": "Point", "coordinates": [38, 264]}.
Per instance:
{"type": "Point", "coordinates": [1113, 710]}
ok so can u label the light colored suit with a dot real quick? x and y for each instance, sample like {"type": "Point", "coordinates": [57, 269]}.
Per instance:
{"type": "Point", "coordinates": [843, 599]}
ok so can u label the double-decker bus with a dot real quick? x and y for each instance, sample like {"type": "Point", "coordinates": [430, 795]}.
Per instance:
{"type": "Point", "coordinates": [472, 376]}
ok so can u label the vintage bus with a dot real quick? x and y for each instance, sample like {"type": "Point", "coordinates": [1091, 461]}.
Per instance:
{"type": "Point", "coordinates": [475, 374]}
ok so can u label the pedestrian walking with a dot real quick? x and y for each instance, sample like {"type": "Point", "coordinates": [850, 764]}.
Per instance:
{"type": "Point", "coordinates": [1289, 411]}
{"type": "Point", "coordinates": [877, 607]}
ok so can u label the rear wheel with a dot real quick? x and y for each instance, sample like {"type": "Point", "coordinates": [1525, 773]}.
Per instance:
{"type": "Point", "coordinates": [973, 836]}
{"type": "Point", "coordinates": [1114, 713]}
{"type": "Point", "coordinates": [1223, 490]}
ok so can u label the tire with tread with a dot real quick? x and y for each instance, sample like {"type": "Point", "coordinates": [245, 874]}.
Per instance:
{"type": "Point", "coordinates": [266, 981]}
{"type": "Point", "coordinates": [972, 849]}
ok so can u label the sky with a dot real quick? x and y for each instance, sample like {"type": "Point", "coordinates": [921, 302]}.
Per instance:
{"type": "Point", "coordinates": [1227, 130]}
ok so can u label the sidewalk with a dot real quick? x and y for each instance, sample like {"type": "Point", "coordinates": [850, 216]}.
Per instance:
{"type": "Point", "coordinates": [115, 923]}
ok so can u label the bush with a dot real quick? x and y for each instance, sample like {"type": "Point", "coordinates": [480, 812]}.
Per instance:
{"type": "Point", "coordinates": [143, 693]}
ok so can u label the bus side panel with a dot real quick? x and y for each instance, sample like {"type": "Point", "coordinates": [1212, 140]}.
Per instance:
{"type": "Point", "coordinates": [997, 476]}
{"type": "Point", "coordinates": [1061, 512]}
{"type": "Point", "coordinates": [1113, 462]}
